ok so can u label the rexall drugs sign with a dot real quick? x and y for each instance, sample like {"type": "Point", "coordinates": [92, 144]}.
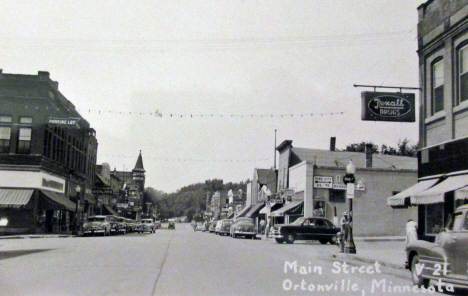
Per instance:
{"type": "Point", "coordinates": [385, 106]}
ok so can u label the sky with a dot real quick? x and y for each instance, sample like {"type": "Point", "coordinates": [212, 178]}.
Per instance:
{"type": "Point", "coordinates": [199, 87]}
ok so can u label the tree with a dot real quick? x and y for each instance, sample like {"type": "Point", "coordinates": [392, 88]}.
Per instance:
{"type": "Point", "coordinates": [361, 147]}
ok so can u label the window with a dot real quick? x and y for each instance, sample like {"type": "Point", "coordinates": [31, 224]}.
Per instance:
{"type": "Point", "coordinates": [462, 74]}
{"type": "Point", "coordinates": [434, 218]}
{"type": "Point", "coordinates": [5, 133]}
{"type": "Point", "coordinates": [24, 138]}
{"type": "Point", "coordinates": [337, 195]}
{"type": "Point", "coordinates": [437, 86]}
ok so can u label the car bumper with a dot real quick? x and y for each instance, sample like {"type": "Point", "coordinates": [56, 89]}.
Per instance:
{"type": "Point", "coordinates": [277, 236]}
{"type": "Point", "coordinates": [244, 233]}
{"type": "Point", "coordinates": [92, 231]}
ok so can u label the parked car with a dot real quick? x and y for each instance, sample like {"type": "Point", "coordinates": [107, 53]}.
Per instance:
{"type": "Point", "coordinates": [446, 259]}
{"type": "Point", "coordinates": [199, 226]}
{"type": "Point", "coordinates": [121, 224]}
{"type": "Point", "coordinates": [97, 225]}
{"type": "Point", "coordinates": [218, 225]}
{"type": "Point", "coordinates": [129, 225]}
{"type": "Point", "coordinates": [114, 224]}
{"type": "Point", "coordinates": [212, 226]}
{"type": "Point", "coordinates": [171, 225]}
{"type": "Point", "coordinates": [137, 226]}
{"type": "Point", "coordinates": [157, 224]}
{"type": "Point", "coordinates": [243, 227]}
{"type": "Point", "coordinates": [304, 228]}
{"type": "Point", "coordinates": [148, 225]}
{"type": "Point", "coordinates": [225, 227]}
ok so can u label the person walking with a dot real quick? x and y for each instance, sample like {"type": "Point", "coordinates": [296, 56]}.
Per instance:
{"type": "Point", "coordinates": [267, 228]}
{"type": "Point", "coordinates": [262, 227]}
{"type": "Point", "coordinates": [411, 231]}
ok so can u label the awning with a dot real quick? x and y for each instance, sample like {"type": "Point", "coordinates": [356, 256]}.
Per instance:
{"type": "Point", "coordinates": [399, 199]}
{"type": "Point", "coordinates": [14, 198]}
{"type": "Point", "coordinates": [243, 212]}
{"type": "Point", "coordinates": [111, 210]}
{"type": "Point", "coordinates": [436, 194]}
{"type": "Point", "coordinates": [461, 193]}
{"type": "Point", "coordinates": [290, 206]}
{"type": "Point", "coordinates": [60, 199]}
{"type": "Point", "coordinates": [254, 210]}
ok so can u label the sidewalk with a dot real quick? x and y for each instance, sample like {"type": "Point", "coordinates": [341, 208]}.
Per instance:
{"type": "Point", "coordinates": [38, 235]}
{"type": "Point", "coordinates": [387, 251]}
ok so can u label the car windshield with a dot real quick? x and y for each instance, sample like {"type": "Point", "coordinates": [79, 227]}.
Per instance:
{"type": "Point", "coordinates": [244, 220]}
{"type": "Point", "coordinates": [96, 219]}
{"type": "Point", "coordinates": [146, 221]}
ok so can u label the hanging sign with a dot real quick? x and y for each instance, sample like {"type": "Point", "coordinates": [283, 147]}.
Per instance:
{"type": "Point", "coordinates": [64, 122]}
{"type": "Point", "coordinates": [385, 106]}
{"type": "Point", "coordinates": [323, 182]}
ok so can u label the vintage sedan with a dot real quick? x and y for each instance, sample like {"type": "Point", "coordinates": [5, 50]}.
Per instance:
{"type": "Point", "coordinates": [446, 259]}
{"type": "Point", "coordinates": [304, 228]}
{"type": "Point", "coordinates": [114, 224]}
{"type": "Point", "coordinates": [148, 225]}
{"type": "Point", "coordinates": [157, 224]}
{"type": "Point", "coordinates": [137, 226]}
{"type": "Point", "coordinates": [224, 227]}
{"type": "Point", "coordinates": [243, 227]}
{"type": "Point", "coordinates": [121, 225]}
{"type": "Point", "coordinates": [97, 225]}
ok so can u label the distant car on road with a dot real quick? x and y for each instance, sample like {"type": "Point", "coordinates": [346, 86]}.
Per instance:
{"type": "Point", "coordinates": [114, 223]}
{"type": "Point", "coordinates": [157, 224]}
{"type": "Point", "coordinates": [97, 225]}
{"type": "Point", "coordinates": [137, 226]}
{"type": "Point", "coordinates": [304, 228]}
{"type": "Point", "coordinates": [122, 225]}
{"type": "Point", "coordinates": [446, 259]}
{"type": "Point", "coordinates": [148, 225]}
{"type": "Point", "coordinates": [212, 226]}
{"type": "Point", "coordinates": [171, 225]}
{"type": "Point", "coordinates": [199, 226]}
{"type": "Point", "coordinates": [243, 227]}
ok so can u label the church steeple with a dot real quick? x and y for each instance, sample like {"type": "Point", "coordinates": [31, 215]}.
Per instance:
{"type": "Point", "coordinates": [139, 173]}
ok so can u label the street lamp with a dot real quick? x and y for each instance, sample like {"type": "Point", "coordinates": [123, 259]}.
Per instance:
{"type": "Point", "coordinates": [349, 179]}
{"type": "Point", "coordinates": [75, 229]}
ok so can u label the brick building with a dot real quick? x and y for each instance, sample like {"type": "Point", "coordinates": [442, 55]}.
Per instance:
{"type": "Point", "coordinates": [47, 156]}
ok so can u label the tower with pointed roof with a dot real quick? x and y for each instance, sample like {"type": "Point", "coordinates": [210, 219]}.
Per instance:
{"type": "Point", "coordinates": [139, 174]}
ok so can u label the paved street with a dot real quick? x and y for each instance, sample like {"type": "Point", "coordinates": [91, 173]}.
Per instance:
{"type": "Point", "coordinates": [183, 262]}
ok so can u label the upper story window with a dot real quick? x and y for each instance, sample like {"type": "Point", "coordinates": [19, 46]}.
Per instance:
{"type": "Point", "coordinates": [5, 133]}
{"type": "Point", "coordinates": [24, 137]}
{"type": "Point", "coordinates": [437, 86]}
{"type": "Point", "coordinates": [462, 74]}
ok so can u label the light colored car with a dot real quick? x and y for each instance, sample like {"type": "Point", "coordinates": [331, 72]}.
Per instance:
{"type": "Point", "coordinates": [97, 225]}
{"type": "Point", "coordinates": [148, 225]}
{"type": "Point", "coordinates": [137, 226]}
{"type": "Point", "coordinates": [224, 227]}
{"type": "Point", "coordinates": [446, 259]}
{"type": "Point", "coordinates": [122, 225]}
{"type": "Point", "coordinates": [157, 224]}
{"type": "Point", "coordinates": [243, 227]}
{"type": "Point", "coordinates": [114, 224]}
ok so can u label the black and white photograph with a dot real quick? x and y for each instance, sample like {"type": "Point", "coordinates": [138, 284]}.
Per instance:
{"type": "Point", "coordinates": [233, 147]}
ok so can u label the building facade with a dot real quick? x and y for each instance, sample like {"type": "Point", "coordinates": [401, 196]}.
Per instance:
{"type": "Point", "coordinates": [442, 158]}
{"type": "Point", "coordinates": [315, 179]}
{"type": "Point", "coordinates": [47, 156]}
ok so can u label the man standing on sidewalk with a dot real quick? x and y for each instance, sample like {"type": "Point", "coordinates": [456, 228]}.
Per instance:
{"type": "Point", "coordinates": [411, 231]}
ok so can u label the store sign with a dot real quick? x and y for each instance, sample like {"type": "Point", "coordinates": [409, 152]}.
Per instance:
{"type": "Point", "coordinates": [323, 182]}
{"type": "Point", "coordinates": [276, 198]}
{"type": "Point", "coordinates": [64, 122]}
{"type": "Point", "coordinates": [385, 106]}
{"type": "Point", "coordinates": [102, 191]}
{"type": "Point", "coordinates": [339, 186]}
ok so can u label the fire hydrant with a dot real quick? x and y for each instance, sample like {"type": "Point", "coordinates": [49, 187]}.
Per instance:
{"type": "Point", "coordinates": [340, 236]}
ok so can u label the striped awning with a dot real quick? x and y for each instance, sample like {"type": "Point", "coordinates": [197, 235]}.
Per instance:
{"type": "Point", "coordinates": [242, 212]}
{"type": "Point", "coordinates": [111, 210]}
{"type": "Point", "coordinates": [399, 199]}
{"type": "Point", "coordinates": [436, 194]}
{"type": "Point", "coordinates": [14, 198]}
{"type": "Point", "coordinates": [288, 207]}
{"type": "Point", "coordinates": [461, 193]}
{"type": "Point", "coordinates": [255, 209]}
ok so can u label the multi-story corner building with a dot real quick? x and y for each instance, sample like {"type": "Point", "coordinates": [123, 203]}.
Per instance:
{"type": "Point", "coordinates": [47, 156]}
{"type": "Point", "coordinates": [443, 138]}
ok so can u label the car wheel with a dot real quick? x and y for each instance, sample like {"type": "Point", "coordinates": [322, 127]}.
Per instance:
{"type": "Point", "coordinates": [417, 278]}
{"type": "Point", "coordinates": [323, 241]}
{"type": "Point", "coordinates": [289, 238]}
{"type": "Point", "coordinates": [279, 240]}
{"type": "Point", "coordinates": [333, 240]}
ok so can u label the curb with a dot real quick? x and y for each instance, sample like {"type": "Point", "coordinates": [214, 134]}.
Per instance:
{"type": "Point", "coordinates": [367, 260]}
{"type": "Point", "coordinates": [36, 236]}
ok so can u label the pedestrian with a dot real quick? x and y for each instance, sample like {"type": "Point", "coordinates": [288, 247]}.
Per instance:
{"type": "Point", "coordinates": [262, 227]}
{"type": "Point", "coordinates": [267, 228]}
{"type": "Point", "coordinates": [411, 231]}
{"type": "Point", "coordinates": [345, 226]}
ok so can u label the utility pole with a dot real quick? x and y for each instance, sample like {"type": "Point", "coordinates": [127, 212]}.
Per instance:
{"type": "Point", "coordinates": [275, 152]}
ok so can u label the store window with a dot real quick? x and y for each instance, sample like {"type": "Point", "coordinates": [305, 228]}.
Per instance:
{"type": "Point", "coordinates": [434, 218]}
{"type": "Point", "coordinates": [5, 133]}
{"type": "Point", "coordinates": [337, 195]}
{"type": "Point", "coordinates": [437, 86]}
{"type": "Point", "coordinates": [462, 74]}
{"type": "Point", "coordinates": [24, 137]}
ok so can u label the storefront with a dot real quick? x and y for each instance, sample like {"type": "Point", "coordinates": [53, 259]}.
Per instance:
{"type": "Point", "coordinates": [289, 212]}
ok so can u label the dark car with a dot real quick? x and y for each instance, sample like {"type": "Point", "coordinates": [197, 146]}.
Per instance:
{"type": "Point", "coordinates": [303, 228]}
{"type": "Point", "coordinates": [171, 225]}
{"type": "Point", "coordinates": [243, 227]}
{"type": "Point", "coordinates": [446, 259]}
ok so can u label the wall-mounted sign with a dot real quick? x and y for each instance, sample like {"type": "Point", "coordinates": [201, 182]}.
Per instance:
{"type": "Point", "coordinates": [323, 182]}
{"type": "Point", "coordinates": [64, 122]}
{"type": "Point", "coordinates": [385, 106]}
{"type": "Point", "coordinates": [97, 191]}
